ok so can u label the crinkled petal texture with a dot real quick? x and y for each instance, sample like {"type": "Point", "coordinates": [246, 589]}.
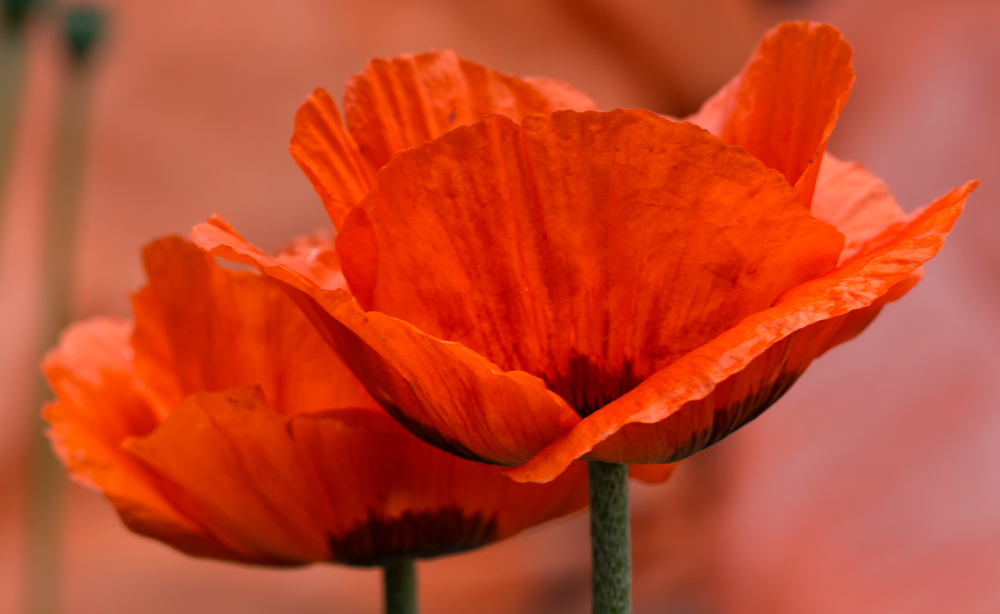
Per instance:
{"type": "Point", "coordinates": [785, 103]}
{"type": "Point", "coordinates": [314, 256]}
{"type": "Point", "coordinates": [541, 249]}
{"type": "Point", "coordinates": [589, 249]}
{"type": "Point", "coordinates": [663, 284]}
{"type": "Point", "coordinates": [713, 390]}
{"type": "Point", "coordinates": [446, 393]}
{"type": "Point", "coordinates": [400, 103]}
{"type": "Point", "coordinates": [586, 253]}
{"type": "Point", "coordinates": [273, 453]}
{"type": "Point", "coordinates": [99, 405]}
{"type": "Point", "coordinates": [201, 328]}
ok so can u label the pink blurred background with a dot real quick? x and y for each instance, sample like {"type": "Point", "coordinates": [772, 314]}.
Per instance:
{"type": "Point", "coordinates": [873, 487]}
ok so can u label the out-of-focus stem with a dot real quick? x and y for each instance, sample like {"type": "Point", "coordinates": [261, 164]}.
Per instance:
{"type": "Point", "coordinates": [400, 587]}
{"type": "Point", "coordinates": [12, 58]}
{"type": "Point", "coordinates": [45, 473]}
{"type": "Point", "coordinates": [610, 538]}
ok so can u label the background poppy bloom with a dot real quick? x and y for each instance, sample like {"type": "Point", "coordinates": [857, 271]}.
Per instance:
{"type": "Point", "coordinates": [225, 427]}
{"type": "Point", "coordinates": [613, 286]}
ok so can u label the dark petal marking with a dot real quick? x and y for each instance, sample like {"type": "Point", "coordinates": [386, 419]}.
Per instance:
{"type": "Point", "coordinates": [727, 420]}
{"type": "Point", "coordinates": [431, 435]}
{"type": "Point", "coordinates": [588, 387]}
{"type": "Point", "coordinates": [412, 535]}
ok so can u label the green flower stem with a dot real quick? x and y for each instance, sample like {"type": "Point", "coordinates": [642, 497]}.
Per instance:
{"type": "Point", "coordinates": [12, 59]}
{"type": "Point", "coordinates": [400, 587]}
{"type": "Point", "coordinates": [46, 476]}
{"type": "Point", "coordinates": [610, 538]}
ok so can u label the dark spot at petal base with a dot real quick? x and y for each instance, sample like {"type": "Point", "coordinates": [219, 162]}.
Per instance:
{"type": "Point", "coordinates": [412, 535]}
{"type": "Point", "coordinates": [727, 420]}
{"type": "Point", "coordinates": [432, 436]}
{"type": "Point", "coordinates": [588, 386]}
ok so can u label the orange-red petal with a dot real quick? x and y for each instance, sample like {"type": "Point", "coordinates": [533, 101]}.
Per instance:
{"type": "Point", "coordinates": [784, 104]}
{"type": "Point", "coordinates": [508, 254]}
{"type": "Point", "coordinates": [652, 474]}
{"type": "Point", "coordinates": [349, 486]}
{"type": "Point", "coordinates": [862, 208]}
{"type": "Point", "coordinates": [448, 394]}
{"type": "Point", "coordinates": [425, 498]}
{"type": "Point", "coordinates": [590, 249]}
{"type": "Point", "coordinates": [396, 104]}
{"type": "Point", "coordinates": [680, 404]}
{"type": "Point", "coordinates": [329, 157]}
{"type": "Point", "coordinates": [399, 103]}
{"type": "Point", "coordinates": [231, 464]}
{"type": "Point", "coordinates": [97, 407]}
{"type": "Point", "coordinates": [313, 255]}
{"type": "Point", "coordinates": [201, 328]}
{"type": "Point", "coordinates": [857, 203]}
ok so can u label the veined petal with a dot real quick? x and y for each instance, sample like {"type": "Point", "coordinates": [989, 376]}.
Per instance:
{"type": "Point", "coordinates": [400, 103]}
{"type": "Point", "coordinates": [542, 249]}
{"type": "Point", "coordinates": [230, 461]}
{"type": "Point", "coordinates": [590, 249]}
{"type": "Point", "coordinates": [200, 328]}
{"type": "Point", "coordinates": [857, 203]}
{"type": "Point", "coordinates": [97, 407]}
{"type": "Point", "coordinates": [329, 157]}
{"type": "Point", "coordinates": [444, 392]}
{"type": "Point", "coordinates": [348, 486]}
{"type": "Point", "coordinates": [862, 208]}
{"type": "Point", "coordinates": [677, 411]}
{"type": "Point", "coordinates": [313, 255]}
{"type": "Point", "coordinates": [785, 103]}
{"type": "Point", "coordinates": [429, 502]}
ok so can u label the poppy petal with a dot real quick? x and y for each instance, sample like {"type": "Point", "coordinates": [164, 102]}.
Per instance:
{"type": "Point", "coordinates": [515, 277]}
{"type": "Point", "coordinates": [541, 246]}
{"type": "Point", "coordinates": [219, 238]}
{"type": "Point", "coordinates": [431, 503]}
{"type": "Point", "coordinates": [313, 255]}
{"type": "Point", "coordinates": [448, 394]}
{"type": "Point", "coordinates": [784, 104]}
{"type": "Point", "coordinates": [651, 474]}
{"type": "Point", "coordinates": [862, 208]}
{"type": "Point", "coordinates": [97, 406]}
{"type": "Point", "coordinates": [270, 493]}
{"type": "Point", "coordinates": [329, 157]}
{"type": "Point", "coordinates": [396, 104]}
{"type": "Point", "coordinates": [857, 203]}
{"type": "Point", "coordinates": [764, 344]}
{"type": "Point", "coordinates": [443, 392]}
{"type": "Point", "coordinates": [200, 327]}
{"type": "Point", "coordinates": [233, 466]}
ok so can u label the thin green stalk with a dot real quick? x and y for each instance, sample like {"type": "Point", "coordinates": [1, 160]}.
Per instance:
{"type": "Point", "coordinates": [46, 477]}
{"type": "Point", "coordinates": [400, 587]}
{"type": "Point", "coordinates": [12, 58]}
{"type": "Point", "coordinates": [610, 538]}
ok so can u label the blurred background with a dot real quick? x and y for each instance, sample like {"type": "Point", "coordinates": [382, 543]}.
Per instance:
{"type": "Point", "coordinates": [872, 487]}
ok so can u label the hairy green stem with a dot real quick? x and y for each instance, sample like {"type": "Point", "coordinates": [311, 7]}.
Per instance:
{"type": "Point", "coordinates": [400, 587]}
{"type": "Point", "coordinates": [610, 538]}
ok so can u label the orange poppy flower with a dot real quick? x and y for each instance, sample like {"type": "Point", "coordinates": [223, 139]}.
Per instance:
{"type": "Point", "coordinates": [539, 287]}
{"type": "Point", "coordinates": [226, 427]}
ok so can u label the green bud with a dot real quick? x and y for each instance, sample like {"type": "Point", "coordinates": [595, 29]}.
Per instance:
{"type": "Point", "coordinates": [83, 28]}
